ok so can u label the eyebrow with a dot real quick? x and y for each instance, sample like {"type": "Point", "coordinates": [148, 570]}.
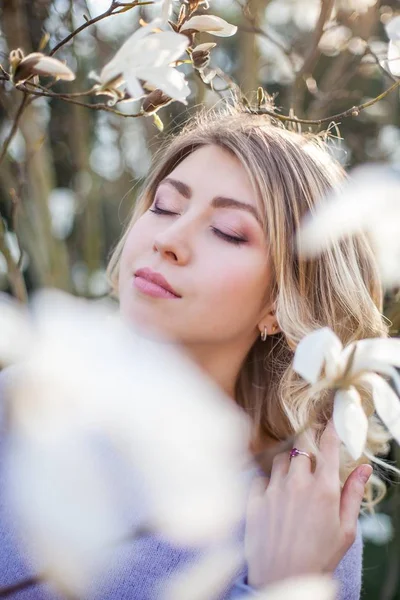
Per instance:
{"type": "Point", "coordinates": [217, 202]}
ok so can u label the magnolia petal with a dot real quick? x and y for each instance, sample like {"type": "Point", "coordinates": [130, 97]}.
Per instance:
{"type": "Point", "coordinates": [393, 29]}
{"type": "Point", "coordinates": [143, 46]}
{"type": "Point", "coordinates": [386, 402]}
{"type": "Point", "coordinates": [312, 352]}
{"type": "Point", "coordinates": [373, 354]}
{"type": "Point", "coordinates": [162, 49]}
{"type": "Point", "coordinates": [394, 57]}
{"type": "Point", "coordinates": [167, 79]}
{"type": "Point", "coordinates": [134, 88]}
{"type": "Point", "coordinates": [53, 67]}
{"type": "Point", "coordinates": [166, 9]}
{"type": "Point", "coordinates": [204, 47]}
{"type": "Point", "coordinates": [154, 50]}
{"type": "Point", "coordinates": [350, 420]}
{"type": "Point", "coordinates": [210, 24]}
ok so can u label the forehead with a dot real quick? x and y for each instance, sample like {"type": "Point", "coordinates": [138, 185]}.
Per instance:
{"type": "Point", "coordinates": [213, 170]}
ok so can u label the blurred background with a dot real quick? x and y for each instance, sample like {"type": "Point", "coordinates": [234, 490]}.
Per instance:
{"type": "Point", "coordinates": [70, 175]}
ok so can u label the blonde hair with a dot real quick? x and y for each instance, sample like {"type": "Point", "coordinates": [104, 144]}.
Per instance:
{"type": "Point", "coordinates": [340, 289]}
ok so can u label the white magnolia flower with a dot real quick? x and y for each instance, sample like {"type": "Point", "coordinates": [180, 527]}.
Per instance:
{"type": "Point", "coordinates": [147, 56]}
{"type": "Point", "coordinates": [82, 375]}
{"type": "Point", "coordinates": [37, 63]}
{"type": "Point", "coordinates": [393, 33]}
{"type": "Point", "coordinates": [369, 202]}
{"type": "Point", "coordinates": [322, 361]}
{"type": "Point", "coordinates": [377, 528]}
{"type": "Point", "coordinates": [210, 24]}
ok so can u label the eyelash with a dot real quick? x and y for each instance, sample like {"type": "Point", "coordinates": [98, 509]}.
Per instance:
{"type": "Point", "coordinates": [224, 236]}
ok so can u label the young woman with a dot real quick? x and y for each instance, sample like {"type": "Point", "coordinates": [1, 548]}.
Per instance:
{"type": "Point", "coordinates": [208, 259]}
{"type": "Point", "coordinates": [214, 226]}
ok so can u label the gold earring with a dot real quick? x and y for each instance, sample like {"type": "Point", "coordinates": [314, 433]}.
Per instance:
{"type": "Point", "coordinates": [264, 334]}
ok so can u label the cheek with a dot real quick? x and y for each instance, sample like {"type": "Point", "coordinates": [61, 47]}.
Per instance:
{"type": "Point", "coordinates": [240, 281]}
{"type": "Point", "coordinates": [135, 243]}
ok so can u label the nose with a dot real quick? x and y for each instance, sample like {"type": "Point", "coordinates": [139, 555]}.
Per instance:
{"type": "Point", "coordinates": [173, 244]}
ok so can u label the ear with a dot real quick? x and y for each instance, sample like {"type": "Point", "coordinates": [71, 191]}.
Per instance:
{"type": "Point", "coordinates": [269, 321]}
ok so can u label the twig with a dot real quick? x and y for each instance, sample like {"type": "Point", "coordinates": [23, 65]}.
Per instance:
{"type": "Point", "coordinates": [350, 112]}
{"type": "Point", "coordinates": [112, 10]}
{"type": "Point", "coordinates": [14, 126]}
{"type": "Point", "coordinates": [63, 94]}
{"type": "Point", "coordinates": [368, 50]}
{"type": "Point", "coordinates": [313, 53]}
{"type": "Point", "coordinates": [99, 106]}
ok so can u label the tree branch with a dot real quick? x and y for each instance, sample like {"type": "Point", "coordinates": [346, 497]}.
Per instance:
{"type": "Point", "coordinates": [15, 124]}
{"type": "Point", "coordinates": [112, 10]}
{"type": "Point", "coordinates": [350, 112]}
{"type": "Point", "coordinates": [67, 98]}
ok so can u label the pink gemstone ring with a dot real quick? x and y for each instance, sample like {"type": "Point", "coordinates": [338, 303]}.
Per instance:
{"type": "Point", "coordinates": [296, 452]}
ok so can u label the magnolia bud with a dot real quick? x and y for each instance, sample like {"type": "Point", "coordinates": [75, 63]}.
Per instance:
{"type": "Point", "coordinates": [154, 101]}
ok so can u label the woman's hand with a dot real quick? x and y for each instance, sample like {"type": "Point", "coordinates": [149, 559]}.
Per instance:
{"type": "Point", "coordinates": [300, 522]}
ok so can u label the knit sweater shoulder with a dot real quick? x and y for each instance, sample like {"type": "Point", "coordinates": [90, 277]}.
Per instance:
{"type": "Point", "coordinates": [141, 569]}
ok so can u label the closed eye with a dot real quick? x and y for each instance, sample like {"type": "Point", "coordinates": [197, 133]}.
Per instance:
{"type": "Point", "coordinates": [225, 236]}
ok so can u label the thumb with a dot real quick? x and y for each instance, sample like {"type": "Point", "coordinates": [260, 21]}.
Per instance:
{"type": "Point", "coordinates": [350, 501]}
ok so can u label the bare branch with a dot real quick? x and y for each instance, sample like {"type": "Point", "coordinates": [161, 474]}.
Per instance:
{"type": "Point", "coordinates": [369, 51]}
{"type": "Point", "coordinates": [112, 10]}
{"type": "Point", "coordinates": [313, 52]}
{"type": "Point", "coordinates": [99, 106]}
{"type": "Point", "coordinates": [350, 112]}
{"type": "Point", "coordinates": [14, 127]}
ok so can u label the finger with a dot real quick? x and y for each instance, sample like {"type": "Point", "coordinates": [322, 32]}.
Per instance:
{"type": "Point", "coordinates": [302, 464]}
{"type": "Point", "coordinates": [350, 501]}
{"type": "Point", "coordinates": [329, 449]}
{"type": "Point", "coordinates": [280, 466]}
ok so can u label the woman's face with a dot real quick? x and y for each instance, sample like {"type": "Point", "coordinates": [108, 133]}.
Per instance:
{"type": "Point", "coordinates": [210, 247]}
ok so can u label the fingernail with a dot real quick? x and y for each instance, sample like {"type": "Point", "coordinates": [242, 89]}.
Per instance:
{"type": "Point", "coordinates": [365, 473]}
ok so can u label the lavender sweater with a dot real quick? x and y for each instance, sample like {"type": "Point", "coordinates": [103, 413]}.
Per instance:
{"type": "Point", "coordinates": [141, 568]}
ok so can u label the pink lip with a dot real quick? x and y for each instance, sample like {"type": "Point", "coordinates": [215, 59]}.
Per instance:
{"type": "Point", "coordinates": [153, 284]}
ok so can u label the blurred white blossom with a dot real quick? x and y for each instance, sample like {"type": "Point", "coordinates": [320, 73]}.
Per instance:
{"type": "Point", "coordinates": [334, 40]}
{"type": "Point", "coordinates": [208, 577]}
{"type": "Point", "coordinates": [82, 372]}
{"type": "Point", "coordinates": [304, 587]}
{"type": "Point", "coordinates": [393, 33]}
{"type": "Point", "coordinates": [358, 6]}
{"type": "Point", "coordinates": [303, 13]}
{"type": "Point", "coordinates": [368, 202]}
{"type": "Point", "coordinates": [377, 528]}
{"type": "Point", "coordinates": [146, 55]}
{"type": "Point", "coordinates": [323, 362]}
{"type": "Point", "coordinates": [62, 206]}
